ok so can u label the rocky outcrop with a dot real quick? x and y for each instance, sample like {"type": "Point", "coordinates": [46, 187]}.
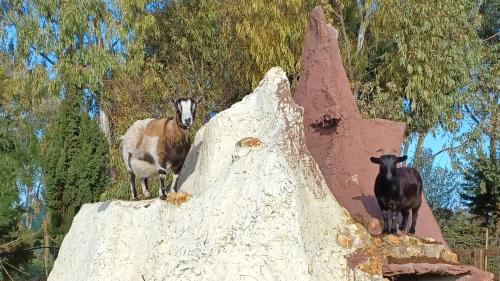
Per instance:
{"type": "Point", "coordinates": [259, 207]}
{"type": "Point", "coordinates": [342, 142]}
{"type": "Point", "coordinates": [260, 210]}
{"type": "Point", "coordinates": [338, 138]}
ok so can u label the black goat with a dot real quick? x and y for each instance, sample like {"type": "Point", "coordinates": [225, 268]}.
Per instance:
{"type": "Point", "coordinates": [397, 190]}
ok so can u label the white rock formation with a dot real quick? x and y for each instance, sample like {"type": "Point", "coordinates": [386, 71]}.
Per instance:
{"type": "Point", "coordinates": [257, 213]}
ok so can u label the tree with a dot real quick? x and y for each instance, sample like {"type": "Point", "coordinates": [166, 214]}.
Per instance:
{"type": "Point", "coordinates": [476, 143]}
{"type": "Point", "coordinates": [415, 58]}
{"type": "Point", "coordinates": [219, 50]}
{"type": "Point", "coordinates": [74, 164]}
{"type": "Point", "coordinates": [72, 46]}
{"type": "Point", "coordinates": [481, 108]}
{"type": "Point", "coordinates": [11, 231]}
{"type": "Point", "coordinates": [441, 185]}
{"type": "Point", "coordinates": [482, 193]}
{"type": "Point", "coordinates": [16, 155]}
{"type": "Point", "coordinates": [460, 229]}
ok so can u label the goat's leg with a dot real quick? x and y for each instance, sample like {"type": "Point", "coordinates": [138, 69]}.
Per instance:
{"type": "Point", "coordinates": [414, 216]}
{"type": "Point", "coordinates": [132, 185]}
{"type": "Point", "coordinates": [175, 178]}
{"type": "Point", "coordinates": [162, 174]}
{"type": "Point", "coordinates": [405, 213]}
{"type": "Point", "coordinates": [385, 214]}
{"type": "Point", "coordinates": [394, 216]}
{"type": "Point", "coordinates": [174, 183]}
{"type": "Point", "coordinates": [144, 184]}
{"type": "Point", "coordinates": [161, 190]}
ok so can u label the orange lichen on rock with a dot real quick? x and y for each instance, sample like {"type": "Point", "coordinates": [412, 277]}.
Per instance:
{"type": "Point", "coordinates": [249, 142]}
{"type": "Point", "coordinates": [449, 256]}
{"type": "Point", "coordinates": [392, 240]}
{"type": "Point", "coordinates": [178, 198]}
{"type": "Point", "coordinates": [344, 240]}
{"type": "Point", "coordinates": [372, 266]}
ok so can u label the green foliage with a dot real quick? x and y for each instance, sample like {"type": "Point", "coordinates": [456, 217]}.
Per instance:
{"type": "Point", "coordinates": [218, 50]}
{"type": "Point", "coordinates": [8, 174]}
{"type": "Point", "coordinates": [482, 193]}
{"type": "Point", "coordinates": [415, 58]}
{"type": "Point", "coordinates": [460, 229]}
{"type": "Point", "coordinates": [441, 185]}
{"type": "Point", "coordinates": [14, 235]}
{"type": "Point", "coordinates": [430, 49]}
{"type": "Point", "coordinates": [75, 162]}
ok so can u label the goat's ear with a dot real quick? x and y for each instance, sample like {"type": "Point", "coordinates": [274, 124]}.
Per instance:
{"type": "Point", "coordinates": [198, 100]}
{"type": "Point", "coordinates": [171, 100]}
{"type": "Point", "coordinates": [402, 158]}
{"type": "Point", "coordinates": [375, 160]}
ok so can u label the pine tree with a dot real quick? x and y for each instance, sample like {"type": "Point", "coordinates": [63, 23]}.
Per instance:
{"type": "Point", "coordinates": [482, 192]}
{"type": "Point", "coordinates": [75, 163]}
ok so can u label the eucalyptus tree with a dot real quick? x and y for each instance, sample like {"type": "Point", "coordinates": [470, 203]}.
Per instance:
{"type": "Point", "coordinates": [476, 144]}
{"type": "Point", "coordinates": [414, 61]}
{"type": "Point", "coordinates": [71, 46]}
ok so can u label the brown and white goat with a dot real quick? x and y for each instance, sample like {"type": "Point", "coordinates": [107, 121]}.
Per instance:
{"type": "Point", "coordinates": [151, 147]}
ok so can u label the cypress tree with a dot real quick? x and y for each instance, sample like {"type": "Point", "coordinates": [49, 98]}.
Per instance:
{"type": "Point", "coordinates": [482, 193]}
{"type": "Point", "coordinates": [75, 163]}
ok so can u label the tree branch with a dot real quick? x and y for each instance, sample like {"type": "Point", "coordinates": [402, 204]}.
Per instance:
{"type": "Point", "coordinates": [5, 269]}
{"type": "Point", "coordinates": [17, 269]}
{"type": "Point", "coordinates": [30, 249]}
{"type": "Point", "coordinates": [195, 74]}
{"type": "Point", "coordinates": [47, 58]}
{"type": "Point", "coordinates": [475, 119]}
{"type": "Point", "coordinates": [467, 108]}
{"type": "Point", "coordinates": [448, 149]}
{"type": "Point", "coordinates": [491, 37]}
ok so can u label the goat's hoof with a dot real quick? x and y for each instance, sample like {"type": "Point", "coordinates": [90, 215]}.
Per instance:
{"type": "Point", "coordinates": [402, 229]}
{"type": "Point", "coordinates": [412, 231]}
{"type": "Point", "coordinates": [163, 197]}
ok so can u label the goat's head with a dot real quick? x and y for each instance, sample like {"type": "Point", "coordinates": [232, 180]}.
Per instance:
{"type": "Point", "coordinates": [388, 164]}
{"type": "Point", "coordinates": [185, 111]}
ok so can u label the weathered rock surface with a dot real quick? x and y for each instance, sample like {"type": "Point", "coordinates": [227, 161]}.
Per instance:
{"type": "Point", "coordinates": [338, 138]}
{"type": "Point", "coordinates": [260, 210]}
{"type": "Point", "coordinates": [341, 142]}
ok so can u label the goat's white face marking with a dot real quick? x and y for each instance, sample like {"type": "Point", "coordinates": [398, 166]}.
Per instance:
{"type": "Point", "coordinates": [186, 108]}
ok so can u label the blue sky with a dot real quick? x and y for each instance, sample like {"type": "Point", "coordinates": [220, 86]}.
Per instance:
{"type": "Point", "coordinates": [435, 144]}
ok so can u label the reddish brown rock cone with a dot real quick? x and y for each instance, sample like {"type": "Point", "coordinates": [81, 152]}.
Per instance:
{"type": "Point", "coordinates": [336, 135]}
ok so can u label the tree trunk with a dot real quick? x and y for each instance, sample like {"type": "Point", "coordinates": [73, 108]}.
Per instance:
{"type": "Point", "coordinates": [104, 124]}
{"type": "Point", "coordinates": [418, 150]}
{"type": "Point", "coordinates": [406, 145]}
{"type": "Point", "coordinates": [29, 211]}
{"type": "Point", "coordinates": [46, 253]}
{"type": "Point", "coordinates": [361, 36]}
{"type": "Point", "coordinates": [365, 13]}
{"type": "Point", "coordinates": [493, 131]}
{"type": "Point", "coordinates": [347, 48]}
